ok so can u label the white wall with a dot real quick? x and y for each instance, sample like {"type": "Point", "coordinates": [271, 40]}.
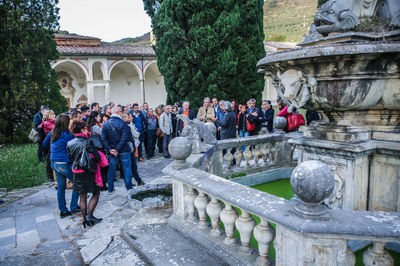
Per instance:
{"type": "Point", "coordinates": [155, 94]}
{"type": "Point", "coordinates": [120, 91]}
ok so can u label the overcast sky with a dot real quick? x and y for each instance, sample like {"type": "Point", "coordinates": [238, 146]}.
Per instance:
{"type": "Point", "coordinates": [105, 19]}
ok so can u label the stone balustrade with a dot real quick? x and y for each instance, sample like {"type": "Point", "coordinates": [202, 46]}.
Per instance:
{"type": "Point", "coordinates": [251, 154]}
{"type": "Point", "coordinates": [209, 209]}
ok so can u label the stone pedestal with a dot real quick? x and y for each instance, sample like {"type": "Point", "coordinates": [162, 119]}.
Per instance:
{"type": "Point", "coordinates": [293, 248]}
{"type": "Point", "coordinates": [366, 172]}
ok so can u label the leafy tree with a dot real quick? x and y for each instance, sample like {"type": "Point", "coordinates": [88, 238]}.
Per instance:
{"type": "Point", "coordinates": [26, 78]}
{"type": "Point", "coordinates": [208, 48]}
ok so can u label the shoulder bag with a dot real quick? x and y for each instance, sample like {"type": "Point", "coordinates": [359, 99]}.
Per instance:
{"type": "Point", "coordinates": [86, 162]}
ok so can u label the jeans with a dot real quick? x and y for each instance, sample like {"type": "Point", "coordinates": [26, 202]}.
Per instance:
{"type": "Point", "coordinates": [166, 141]}
{"type": "Point", "coordinates": [243, 134]}
{"type": "Point", "coordinates": [63, 172]}
{"type": "Point", "coordinates": [141, 139]}
{"type": "Point", "coordinates": [125, 159]}
{"type": "Point", "coordinates": [151, 142]}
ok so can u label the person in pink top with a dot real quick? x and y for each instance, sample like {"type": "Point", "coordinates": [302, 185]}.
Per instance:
{"type": "Point", "coordinates": [47, 125]}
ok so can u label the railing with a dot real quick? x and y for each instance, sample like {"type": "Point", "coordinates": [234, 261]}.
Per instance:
{"type": "Point", "coordinates": [250, 155]}
{"type": "Point", "coordinates": [306, 233]}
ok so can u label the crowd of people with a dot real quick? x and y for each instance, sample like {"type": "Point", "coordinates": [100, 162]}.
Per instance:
{"type": "Point", "coordinates": [116, 137]}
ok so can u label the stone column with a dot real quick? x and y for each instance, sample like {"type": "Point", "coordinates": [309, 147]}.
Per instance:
{"type": "Point", "coordinates": [90, 92]}
{"type": "Point", "coordinates": [107, 97]}
{"type": "Point", "coordinates": [142, 91]}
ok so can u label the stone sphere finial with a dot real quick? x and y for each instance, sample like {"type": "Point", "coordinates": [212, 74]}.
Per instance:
{"type": "Point", "coordinates": [279, 123]}
{"type": "Point", "coordinates": [180, 149]}
{"type": "Point", "coordinates": [312, 182]}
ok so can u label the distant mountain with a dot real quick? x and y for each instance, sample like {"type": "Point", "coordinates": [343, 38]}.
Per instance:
{"type": "Point", "coordinates": [288, 20]}
{"type": "Point", "coordinates": [141, 40]}
{"type": "Point", "coordinates": [284, 21]}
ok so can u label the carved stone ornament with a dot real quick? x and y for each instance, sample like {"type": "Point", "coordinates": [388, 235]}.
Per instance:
{"type": "Point", "coordinates": [196, 131]}
{"type": "Point", "coordinates": [294, 88]}
{"type": "Point", "coordinates": [342, 15]}
{"type": "Point", "coordinates": [65, 82]}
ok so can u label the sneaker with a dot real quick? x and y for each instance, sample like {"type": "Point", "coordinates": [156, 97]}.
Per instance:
{"type": "Point", "coordinates": [141, 159]}
{"type": "Point", "coordinates": [141, 183]}
{"type": "Point", "coordinates": [65, 214]}
{"type": "Point", "coordinates": [167, 156]}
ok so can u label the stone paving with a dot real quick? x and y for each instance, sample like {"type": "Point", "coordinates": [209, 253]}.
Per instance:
{"type": "Point", "coordinates": [32, 232]}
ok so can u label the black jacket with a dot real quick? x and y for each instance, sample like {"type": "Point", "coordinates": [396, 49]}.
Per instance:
{"type": "Point", "coordinates": [228, 126]}
{"type": "Point", "coordinates": [75, 147]}
{"type": "Point", "coordinates": [266, 118]}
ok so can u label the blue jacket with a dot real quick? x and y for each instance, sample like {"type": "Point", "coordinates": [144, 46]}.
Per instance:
{"type": "Point", "coordinates": [116, 136]}
{"type": "Point", "coordinates": [139, 122]}
{"type": "Point", "coordinates": [58, 148]}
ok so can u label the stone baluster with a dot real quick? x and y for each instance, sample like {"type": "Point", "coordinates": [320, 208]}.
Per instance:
{"type": "Point", "coordinates": [264, 233]}
{"type": "Point", "coordinates": [200, 202]}
{"type": "Point", "coordinates": [256, 154]}
{"type": "Point", "coordinates": [245, 225]}
{"type": "Point", "coordinates": [189, 203]}
{"type": "Point", "coordinates": [247, 155]}
{"type": "Point", "coordinates": [238, 156]}
{"type": "Point", "coordinates": [377, 255]}
{"type": "Point", "coordinates": [228, 158]}
{"type": "Point", "coordinates": [214, 209]}
{"type": "Point", "coordinates": [228, 217]}
{"type": "Point", "coordinates": [273, 153]}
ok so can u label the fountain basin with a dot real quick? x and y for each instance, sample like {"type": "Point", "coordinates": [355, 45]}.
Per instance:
{"type": "Point", "coordinates": [356, 76]}
{"type": "Point", "coordinates": [150, 196]}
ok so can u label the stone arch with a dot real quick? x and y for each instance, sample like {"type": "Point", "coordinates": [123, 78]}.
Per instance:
{"type": "Point", "coordinates": [63, 62]}
{"type": "Point", "coordinates": [128, 62]}
{"type": "Point", "coordinates": [98, 71]}
{"type": "Point", "coordinates": [125, 82]}
{"type": "Point", "coordinates": [72, 78]}
{"type": "Point", "coordinates": [154, 85]}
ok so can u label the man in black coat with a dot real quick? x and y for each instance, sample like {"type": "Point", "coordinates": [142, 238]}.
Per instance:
{"type": "Point", "coordinates": [228, 125]}
{"type": "Point", "coordinates": [266, 117]}
{"type": "Point", "coordinates": [37, 120]}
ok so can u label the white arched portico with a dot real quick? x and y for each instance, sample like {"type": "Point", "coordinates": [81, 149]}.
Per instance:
{"type": "Point", "coordinates": [111, 72]}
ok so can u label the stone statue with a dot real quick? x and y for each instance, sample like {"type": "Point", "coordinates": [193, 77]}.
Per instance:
{"type": "Point", "coordinates": [196, 131]}
{"type": "Point", "coordinates": [294, 88]}
{"type": "Point", "coordinates": [342, 15]}
{"type": "Point", "coordinates": [338, 16]}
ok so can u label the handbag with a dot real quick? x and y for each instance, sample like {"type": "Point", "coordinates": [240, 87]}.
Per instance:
{"type": "Point", "coordinates": [250, 126]}
{"type": "Point", "coordinates": [295, 121]}
{"type": "Point", "coordinates": [160, 134]}
{"type": "Point", "coordinates": [86, 162]}
{"type": "Point", "coordinates": [34, 135]}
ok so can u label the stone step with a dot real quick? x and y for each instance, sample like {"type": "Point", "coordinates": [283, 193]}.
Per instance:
{"type": "Point", "coordinates": [149, 234]}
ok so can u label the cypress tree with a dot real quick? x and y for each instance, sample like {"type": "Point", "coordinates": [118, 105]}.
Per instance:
{"type": "Point", "coordinates": [208, 48]}
{"type": "Point", "coordinates": [27, 49]}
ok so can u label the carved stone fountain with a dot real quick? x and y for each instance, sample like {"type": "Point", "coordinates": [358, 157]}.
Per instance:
{"type": "Point", "coordinates": [353, 79]}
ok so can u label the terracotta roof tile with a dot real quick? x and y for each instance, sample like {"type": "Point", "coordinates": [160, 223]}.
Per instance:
{"type": "Point", "coordinates": [107, 49]}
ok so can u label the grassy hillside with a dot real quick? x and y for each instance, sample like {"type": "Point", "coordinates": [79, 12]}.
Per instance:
{"type": "Point", "coordinates": [140, 40]}
{"type": "Point", "coordinates": [284, 20]}
{"type": "Point", "coordinates": [288, 20]}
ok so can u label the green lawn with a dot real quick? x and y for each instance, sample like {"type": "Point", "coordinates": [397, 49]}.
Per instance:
{"type": "Point", "coordinates": [19, 167]}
